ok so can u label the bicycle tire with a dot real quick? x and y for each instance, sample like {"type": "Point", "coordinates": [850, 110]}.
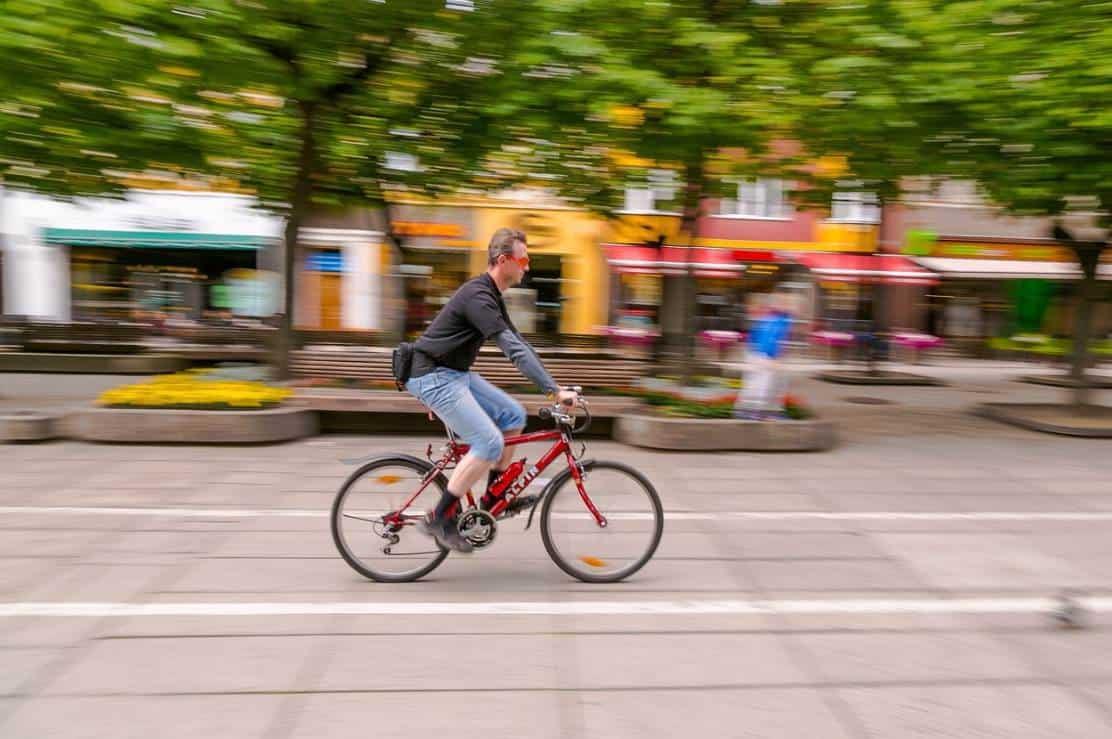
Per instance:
{"type": "Point", "coordinates": [353, 561]}
{"type": "Point", "coordinates": [553, 490]}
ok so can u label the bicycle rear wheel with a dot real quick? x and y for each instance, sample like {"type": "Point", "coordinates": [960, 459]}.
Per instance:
{"type": "Point", "coordinates": [376, 543]}
{"type": "Point", "coordinates": [599, 554]}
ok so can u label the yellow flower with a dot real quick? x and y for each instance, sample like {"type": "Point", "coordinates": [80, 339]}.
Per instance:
{"type": "Point", "coordinates": [191, 389]}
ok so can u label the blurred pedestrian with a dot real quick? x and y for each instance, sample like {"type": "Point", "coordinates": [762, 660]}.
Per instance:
{"type": "Point", "coordinates": [765, 382]}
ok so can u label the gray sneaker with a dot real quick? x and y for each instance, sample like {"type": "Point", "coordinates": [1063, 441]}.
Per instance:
{"type": "Point", "coordinates": [445, 532]}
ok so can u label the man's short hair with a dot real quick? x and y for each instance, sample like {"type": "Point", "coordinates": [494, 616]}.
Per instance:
{"type": "Point", "coordinates": [502, 242]}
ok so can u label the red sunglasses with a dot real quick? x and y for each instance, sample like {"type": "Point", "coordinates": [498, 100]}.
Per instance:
{"type": "Point", "coordinates": [522, 262]}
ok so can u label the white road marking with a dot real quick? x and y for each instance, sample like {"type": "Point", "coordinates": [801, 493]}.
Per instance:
{"type": "Point", "coordinates": [563, 608]}
{"type": "Point", "coordinates": [1083, 516]}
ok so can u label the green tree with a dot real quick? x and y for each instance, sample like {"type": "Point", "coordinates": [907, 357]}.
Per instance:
{"type": "Point", "coordinates": [1007, 92]}
{"type": "Point", "coordinates": [68, 127]}
{"type": "Point", "coordinates": [1033, 79]}
{"type": "Point", "coordinates": [623, 89]}
{"type": "Point", "coordinates": [867, 94]}
{"type": "Point", "coordinates": [860, 110]}
{"type": "Point", "coordinates": [305, 103]}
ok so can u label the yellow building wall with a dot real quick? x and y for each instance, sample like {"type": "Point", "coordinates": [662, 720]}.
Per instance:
{"type": "Point", "coordinates": [845, 237]}
{"type": "Point", "coordinates": [642, 229]}
{"type": "Point", "coordinates": [573, 235]}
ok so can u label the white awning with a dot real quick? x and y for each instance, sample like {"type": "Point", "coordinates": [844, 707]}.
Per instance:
{"type": "Point", "coordinates": [1007, 269]}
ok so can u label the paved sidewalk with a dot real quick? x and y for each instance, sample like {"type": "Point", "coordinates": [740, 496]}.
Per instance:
{"type": "Point", "coordinates": [898, 586]}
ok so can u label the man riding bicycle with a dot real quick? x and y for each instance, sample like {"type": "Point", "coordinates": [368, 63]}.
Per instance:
{"type": "Point", "coordinates": [475, 410]}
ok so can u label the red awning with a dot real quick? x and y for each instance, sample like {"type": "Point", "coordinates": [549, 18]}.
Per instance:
{"type": "Point", "coordinates": [675, 260]}
{"type": "Point", "coordinates": [890, 269]}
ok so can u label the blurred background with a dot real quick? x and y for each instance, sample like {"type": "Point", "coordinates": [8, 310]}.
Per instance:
{"type": "Point", "coordinates": [277, 176]}
{"type": "Point", "coordinates": [871, 230]}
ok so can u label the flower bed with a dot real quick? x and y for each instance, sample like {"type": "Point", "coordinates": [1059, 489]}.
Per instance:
{"type": "Point", "coordinates": [195, 390]}
{"type": "Point", "coordinates": [705, 397]}
{"type": "Point", "coordinates": [796, 409]}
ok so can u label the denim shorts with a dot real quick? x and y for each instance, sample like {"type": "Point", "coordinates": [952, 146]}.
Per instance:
{"type": "Point", "coordinates": [473, 409]}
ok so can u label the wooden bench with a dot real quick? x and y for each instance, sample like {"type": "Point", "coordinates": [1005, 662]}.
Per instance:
{"type": "Point", "coordinates": [316, 337]}
{"type": "Point", "coordinates": [222, 335]}
{"type": "Point", "coordinates": [350, 411]}
{"type": "Point", "coordinates": [81, 337]}
{"type": "Point", "coordinates": [373, 364]}
{"type": "Point", "coordinates": [343, 400]}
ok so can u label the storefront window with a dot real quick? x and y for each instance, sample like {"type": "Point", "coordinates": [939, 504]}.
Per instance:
{"type": "Point", "coordinates": [720, 304]}
{"type": "Point", "coordinates": [148, 284]}
{"type": "Point", "coordinates": [639, 299]}
{"type": "Point", "coordinates": [545, 278]}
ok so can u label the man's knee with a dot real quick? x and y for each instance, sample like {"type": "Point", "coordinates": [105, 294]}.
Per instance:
{"type": "Point", "coordinates": [489, 447]}
{"type": "Point", "coordinates": [515, 417]}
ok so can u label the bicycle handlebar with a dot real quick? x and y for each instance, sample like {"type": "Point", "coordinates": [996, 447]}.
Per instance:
{"type": "Point", "coordinates": [561, 413]}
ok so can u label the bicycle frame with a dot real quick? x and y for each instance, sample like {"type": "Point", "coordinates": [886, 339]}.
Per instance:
{"type": "Point", "coordinates": [456, 451]}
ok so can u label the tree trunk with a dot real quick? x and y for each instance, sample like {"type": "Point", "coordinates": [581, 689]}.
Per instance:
{"type": "Point", "coordinates": [877, 301]}
{"type": "Point", "coordinates": [395, 293]}
{"type": "Point", "coordinates": [1089, 259]}
{"type": "Point", "coordinates": [299, 206]}
{"type": "Point", "coordinates": [689, 228]}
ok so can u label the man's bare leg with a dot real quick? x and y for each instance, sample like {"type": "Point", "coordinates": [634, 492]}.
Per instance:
{"type": "Point", "coordinates": [471, 469]}
{"type": "Point", "coordinates": [468, 472]}
{"type": "Point", "coordinates": [507, 454]}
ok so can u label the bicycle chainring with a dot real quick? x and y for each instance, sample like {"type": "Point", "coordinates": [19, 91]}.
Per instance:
{"type": "Point", "coordinates": [478, 527]}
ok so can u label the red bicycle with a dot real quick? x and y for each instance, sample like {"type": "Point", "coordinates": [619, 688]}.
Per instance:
{"type": "Point", "coordinates": [601, 537]}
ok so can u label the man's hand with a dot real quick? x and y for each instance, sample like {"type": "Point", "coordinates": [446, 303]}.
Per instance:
{"type": "Point", "coordinates": [567, 397]}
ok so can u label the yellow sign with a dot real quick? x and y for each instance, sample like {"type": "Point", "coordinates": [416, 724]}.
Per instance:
{"type": "Point", "coordinates": [860, 238]}
{"type": "Point", "coordinates": [417, 228]}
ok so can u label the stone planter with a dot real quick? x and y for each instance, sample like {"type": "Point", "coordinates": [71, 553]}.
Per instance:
{"type": "Point", "coordinates": [27, 426]}
{"type": "Point", "coordinates": [1063, 380]}
{"type": "Point", "coordinates": [880, 378]}
{"type": "Point", "coordinates": [1051, 418]}
{"type": "Point", "coordinates": [697, 434]}
{"type": "Point", "coordinates": [155, 426]}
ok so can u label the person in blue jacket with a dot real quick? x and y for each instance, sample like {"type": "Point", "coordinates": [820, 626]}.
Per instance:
{"type": "Point", "coordinates": [764, 383]}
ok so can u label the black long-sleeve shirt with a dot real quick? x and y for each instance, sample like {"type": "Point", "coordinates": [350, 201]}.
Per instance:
{"type": "Point", "coordinates": [473, 315]}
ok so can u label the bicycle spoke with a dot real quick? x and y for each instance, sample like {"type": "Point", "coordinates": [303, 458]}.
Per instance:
{"type": "Point", "coordinates": [373, 537]}
{"type": "Point", "coordinates": [361, 518]}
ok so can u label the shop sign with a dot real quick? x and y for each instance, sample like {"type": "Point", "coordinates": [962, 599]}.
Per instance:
{"type": "Point", "coordinates": [431, 227]}
{"type": "Point", "coordinates": [161, 223]}
{"type": "Point", "coordinates": [921, 243]}
{"type": "Point", "coordinates": [419, 228]}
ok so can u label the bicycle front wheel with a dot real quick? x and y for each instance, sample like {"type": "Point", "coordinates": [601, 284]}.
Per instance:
{"type": "Point", "coordinates": [372, 536]}
{"type": "Point", "coordinates": [634, 522]}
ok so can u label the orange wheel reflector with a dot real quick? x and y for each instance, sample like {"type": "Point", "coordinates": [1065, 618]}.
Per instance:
{"type": "Point", "coordinates": [389, 479]}
{"type": "Point", "coordinates": [592, 561]}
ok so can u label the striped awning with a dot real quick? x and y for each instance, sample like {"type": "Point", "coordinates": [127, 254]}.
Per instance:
{"type": "Point", "coordinates": [889, 269]}
{"type": "Point", "coordinates": [153, 239]}
{"type": "Point", "coordinates": [1007, 269]}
